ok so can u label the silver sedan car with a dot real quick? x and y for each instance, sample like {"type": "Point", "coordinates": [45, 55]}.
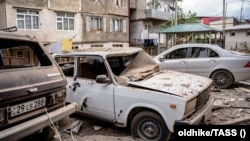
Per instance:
{"type": "Point", "coordinates": [224, 67]}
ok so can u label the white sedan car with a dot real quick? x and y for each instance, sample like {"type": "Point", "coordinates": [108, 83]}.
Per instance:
{"type": "Point", "coordinates": [224, 67]}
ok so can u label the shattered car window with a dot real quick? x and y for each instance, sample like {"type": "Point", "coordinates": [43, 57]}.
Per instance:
{"type": "Point", "coordinates": [90, 67]}
{"type": "Point", "coordinates": [21, 54]}
{"type": "Point", "coordinates": [134, 67]}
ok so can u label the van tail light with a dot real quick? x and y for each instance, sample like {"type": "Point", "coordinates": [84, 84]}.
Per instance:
{"type": "Point", "coordinates": [247, 65]}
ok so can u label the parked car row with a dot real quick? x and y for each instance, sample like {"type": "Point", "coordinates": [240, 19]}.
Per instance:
{"type": "Point", "coordinates": [122, 85]}
{"type": "Point", "coordinates": [224, 67]}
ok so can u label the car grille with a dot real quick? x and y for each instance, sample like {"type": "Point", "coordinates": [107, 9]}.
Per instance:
{"type": "Point", "coordinates": [203, 97]}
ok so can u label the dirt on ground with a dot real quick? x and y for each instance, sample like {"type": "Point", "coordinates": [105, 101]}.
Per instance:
{"type": "Point", "coordinates": [231, 106]}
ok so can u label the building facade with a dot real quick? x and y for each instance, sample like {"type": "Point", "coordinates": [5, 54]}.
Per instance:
{"type": "Point", "coordinates": [146, 18]}
{"type": "Point", "coordinates": [87, 23]}
{"type": "Point", "coordinates": [238, 38]}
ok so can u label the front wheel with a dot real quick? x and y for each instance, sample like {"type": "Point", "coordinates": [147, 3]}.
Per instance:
{"type": "Point", "coordinates": [149, 126]}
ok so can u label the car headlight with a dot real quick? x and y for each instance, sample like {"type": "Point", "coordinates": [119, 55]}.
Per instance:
{"type": "Point", "coordinates": [191, 105]}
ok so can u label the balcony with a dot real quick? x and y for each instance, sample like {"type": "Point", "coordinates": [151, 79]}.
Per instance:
{"type": "Point", "coordinates": [158, 15]}
{"type": "Point", "coordinates": [133, 4]}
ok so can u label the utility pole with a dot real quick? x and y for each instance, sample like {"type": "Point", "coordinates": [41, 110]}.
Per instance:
{"type": "Point", "coordinates": [175, 20]}
{"type": "Point", "coordinates": [224, 24]}
{"type": "Point", "coordinates": [241, 11]}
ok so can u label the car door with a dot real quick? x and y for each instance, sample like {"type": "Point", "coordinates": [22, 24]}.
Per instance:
{"type": "Point", "coordinates": [95, 99]}
{"type": "Point", "coordinates": [202, 61]}
{"type": "Point", "coordinates": [175, 60]}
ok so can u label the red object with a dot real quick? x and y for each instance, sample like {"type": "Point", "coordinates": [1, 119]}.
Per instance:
{"type": "Point", "coordinates": [210, 19]}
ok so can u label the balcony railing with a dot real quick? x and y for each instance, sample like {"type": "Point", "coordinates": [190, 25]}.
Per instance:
{"type": "Point", "coordinates": [159, 15]}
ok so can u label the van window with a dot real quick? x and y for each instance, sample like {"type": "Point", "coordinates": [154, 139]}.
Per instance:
{"type": "Point", "coordinates": [16, 54]}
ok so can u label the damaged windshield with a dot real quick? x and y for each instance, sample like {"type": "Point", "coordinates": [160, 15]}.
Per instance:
{"type": "Point", "coordinates": [133, 67]}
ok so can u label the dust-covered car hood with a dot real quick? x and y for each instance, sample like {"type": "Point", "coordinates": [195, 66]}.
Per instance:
{"type": "Point", "coordinates": [182, 84]}
{"type": "Point", "coordinates": [144, 72]}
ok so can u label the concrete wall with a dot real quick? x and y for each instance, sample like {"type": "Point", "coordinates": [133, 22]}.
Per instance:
{"type": "Point", "coordinates": [121, 10]}
{"type": "Point", "coordinates": [65, 5]}
{"type": "Point", "coordinates": [81, 9]}
{"type": "Point", "coordinates": [139, 13]}
{"type": "Point", "coordinates": [229, 22]}
{"type": "Point", "coordinates": [2, 15]}
{"type": "Point", "coordinates": [94, 7]}
{"type": "Point", "coordinates": [48, 31]}
{"type": "Point", "coordinates": [36, 4]}
{"type": "Point", "coordinates": [107, 10]}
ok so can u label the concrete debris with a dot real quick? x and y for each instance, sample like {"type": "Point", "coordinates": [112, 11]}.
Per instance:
{"type": "Point", "coordinates": [231, 106]}
{"type": "Point", "coordinates": [238, 90]}
{"type": "Point", "coordinates": [97, 128]}
{"type": "Point", "coordinates": [74, 127]}
{"type": "Point", "coordinates": [235, 121]}
{"type": "Point", "coordinates": [244, 89]}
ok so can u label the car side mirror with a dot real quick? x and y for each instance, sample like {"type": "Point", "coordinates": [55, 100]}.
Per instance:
{"type": "Point", "coordinates": [102, 79]}
{"type": "Point", "coordinates": [161, 59]}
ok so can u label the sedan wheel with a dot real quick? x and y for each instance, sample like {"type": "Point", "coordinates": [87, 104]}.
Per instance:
{"type": "Point", "coordinates": [149, 126]}
{"type": "Point", "coordinates": [222, 79]}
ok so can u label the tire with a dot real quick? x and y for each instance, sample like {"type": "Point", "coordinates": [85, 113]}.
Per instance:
{"type": "Point", "coordinates": [222, 79]}
{"type": "Point", "coordinates": [149, 126]}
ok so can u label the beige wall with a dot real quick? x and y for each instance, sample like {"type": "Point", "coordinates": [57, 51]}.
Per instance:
{"type": "Point", "coordinates": [108, 11]}
{"type": "Point", "coordinates": [233, 42]}
{"type": "Point", "coordinates": [229, 22]}
{"type": "Point", "coordinates": [48, 31]}
{"type": "Point", "coordinates": [2, 15]}
{"type": "Point", "coordinates": [81, 9]}
{"type": "Point", "coordinates": [65, 5]}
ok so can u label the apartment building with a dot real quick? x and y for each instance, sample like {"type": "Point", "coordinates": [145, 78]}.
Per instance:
{"type": "Point", "coordinates": [86, 23]}
{"type": "Point", "coordinates": [146, 18]}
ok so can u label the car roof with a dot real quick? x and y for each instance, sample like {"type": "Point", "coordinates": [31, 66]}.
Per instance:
{"type": "Point", "coordinates": [16, 35]}
{"type": "Point", "coordinates": [199, 44]}
{"type": "Point", "coordinates": [102, 51]}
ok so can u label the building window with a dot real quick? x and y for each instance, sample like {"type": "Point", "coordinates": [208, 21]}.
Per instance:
{"type": "Point", "coordinates": [65, 21]}
{"type": "Point", "coordinates": [96, 23]}
{"type": "Point", "coordinates": [117, 25]}
{"type": "Point", "coordinates": [248, 33]}
{"type": "Point", "coordinates": [117, 45]}
{"type": "Point", "coordinates": [96, 45]}
{"type": "Point", "coordinates": [27, 19]}
{"type": "Point", "coordinates": [232, 33]}
{"type": "Point", "coordinates": [118, 2]}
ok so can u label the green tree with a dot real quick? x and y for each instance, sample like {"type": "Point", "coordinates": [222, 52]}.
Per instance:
{"type": "Point", "coordinates": [182, 18]}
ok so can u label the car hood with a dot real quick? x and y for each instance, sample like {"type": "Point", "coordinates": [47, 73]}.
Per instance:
{"type": "Point", "coordinates": [177, 83]}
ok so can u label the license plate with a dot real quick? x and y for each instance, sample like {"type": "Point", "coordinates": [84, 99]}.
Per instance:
{"type": "Point", "coordinates": [27, 106]}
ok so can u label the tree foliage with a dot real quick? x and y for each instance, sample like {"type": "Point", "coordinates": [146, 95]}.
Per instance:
{"type": "Point", "coordinates": [182, 18]}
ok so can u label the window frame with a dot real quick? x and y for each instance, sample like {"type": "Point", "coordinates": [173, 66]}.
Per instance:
{"type": "Point", "coordinates": [117, 2]}
{"type": "Point", "coordinates": [65, 17]}
{"type": "Point", "coordinates": [22, 15]}
{"type": "Point", "coordinates": [247, 32]}
{"type": "Point", "coordinates": [119, 23]}
{"type": "Point", "coordinates": [168, 55]}
{"type": "Point", "coordinates": [232, 33]}
{"type": "Point", "coordinates": [99, 24]}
